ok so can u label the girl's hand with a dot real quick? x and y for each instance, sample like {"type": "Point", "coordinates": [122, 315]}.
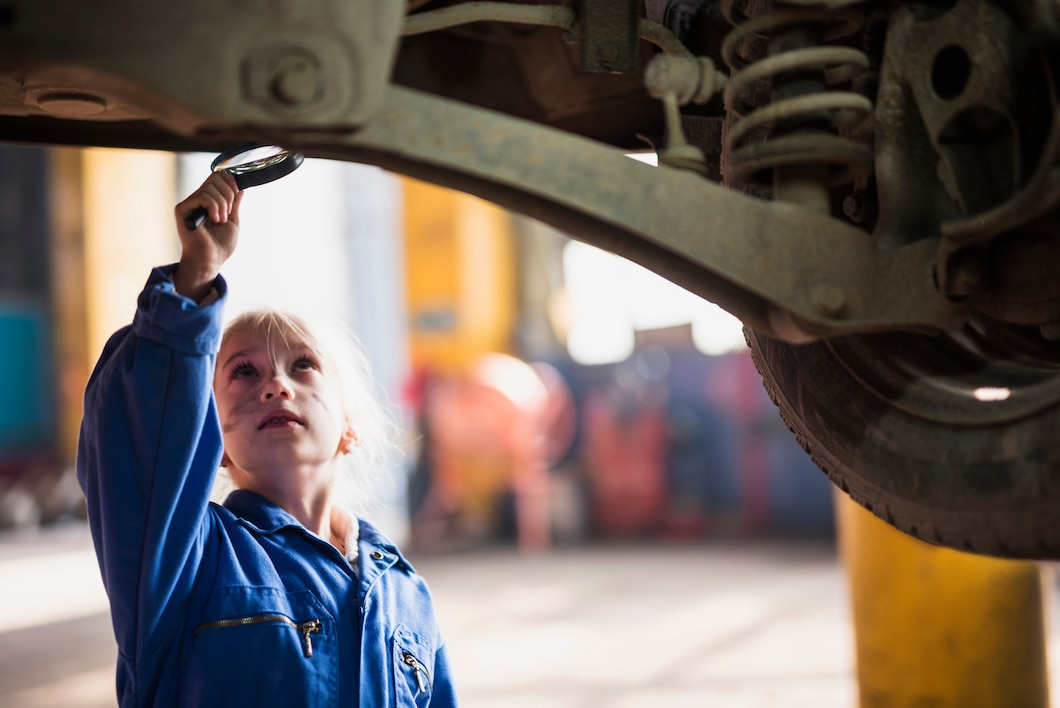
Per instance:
{"type": "Point", "coordinates": [205, 249]}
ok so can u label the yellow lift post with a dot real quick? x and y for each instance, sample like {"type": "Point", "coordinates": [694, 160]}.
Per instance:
{"type": "Point", "coordinates": [937, 628]}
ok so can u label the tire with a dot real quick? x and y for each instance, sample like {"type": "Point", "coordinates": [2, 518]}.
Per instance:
{"type": "Point", "coordinates": [894, 421]}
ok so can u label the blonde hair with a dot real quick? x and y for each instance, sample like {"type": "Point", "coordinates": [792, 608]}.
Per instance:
{"type": "Point", "coordinates": [363, 403]}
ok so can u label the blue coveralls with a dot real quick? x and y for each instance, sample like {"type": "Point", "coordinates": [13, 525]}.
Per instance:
{"type": "Point", "coordinates": [236, 605]}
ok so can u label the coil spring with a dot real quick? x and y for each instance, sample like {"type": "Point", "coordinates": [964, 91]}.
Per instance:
{"type": "Point", "coordinates": [754, 148]}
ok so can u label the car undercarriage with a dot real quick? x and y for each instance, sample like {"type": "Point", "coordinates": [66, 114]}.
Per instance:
{"type": "Point", "coordinates": [869, 186]}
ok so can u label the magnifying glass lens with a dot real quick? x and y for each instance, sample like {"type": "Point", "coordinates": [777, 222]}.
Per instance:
{"type": "Point", "coordinates": [252, 159]}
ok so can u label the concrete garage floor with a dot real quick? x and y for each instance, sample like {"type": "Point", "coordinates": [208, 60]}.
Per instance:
{"type": "Point", "coordinates": [750, 624]}
{"type": "Point", "coordinates": [735, 624]}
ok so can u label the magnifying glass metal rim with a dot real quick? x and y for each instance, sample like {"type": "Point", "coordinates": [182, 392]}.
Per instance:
{"type": "Point", "coordinates": [248, 174]}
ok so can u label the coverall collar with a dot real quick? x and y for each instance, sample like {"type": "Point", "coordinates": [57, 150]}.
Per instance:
{"type": "Point", "coordinates": [261, 515]}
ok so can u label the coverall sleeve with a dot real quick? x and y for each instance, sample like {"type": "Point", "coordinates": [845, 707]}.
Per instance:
{"type": "Point", "coordinates": [149, 448]}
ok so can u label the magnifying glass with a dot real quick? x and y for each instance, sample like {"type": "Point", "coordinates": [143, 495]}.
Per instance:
{"type": "Point", "coordinates": [251, 164]}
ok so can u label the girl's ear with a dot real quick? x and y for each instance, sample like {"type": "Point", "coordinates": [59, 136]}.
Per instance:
{"type": "Point", "coordinates": [349, 441]}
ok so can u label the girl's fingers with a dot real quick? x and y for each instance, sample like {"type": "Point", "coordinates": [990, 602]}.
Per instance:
{"type": "Point", "coordinates": [224, 183]}
{"type": "Point", "coordinates": [219, 195]}
{"type": "Point", "coordinates": [223, 189]}
{"type": "Point", "coordinates": [233, 210]}
{"type": "Point", "coordinates": [215, 203]}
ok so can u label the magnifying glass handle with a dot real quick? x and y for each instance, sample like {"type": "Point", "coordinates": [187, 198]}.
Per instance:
{"type": "Point", "coordinates": [194, 218]}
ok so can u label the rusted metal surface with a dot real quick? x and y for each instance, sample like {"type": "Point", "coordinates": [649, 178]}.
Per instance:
{"type": "Point", "coordinates": [793, 144]}
{"type": "Point", "coordinates": [199, 65]}
{"type": "Point", "coordinates": [731, 248]}
{"type": "Point", "coordinates": [967, 140]}
{"type": "Point", "coordinates": [610, 41]}
{"type": "Point", "coordinates": [935, 137]}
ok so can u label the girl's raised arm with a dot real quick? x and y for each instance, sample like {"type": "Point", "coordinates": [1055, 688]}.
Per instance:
{"type": "Point", "coordinates": [150, 441]}
{"type": "Point", "coordinates": [205, 249]}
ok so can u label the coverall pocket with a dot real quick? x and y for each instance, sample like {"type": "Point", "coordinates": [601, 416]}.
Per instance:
{"type": "Point", "coordinates": [413, 668]}
{"type": "Point", "coordinates": [259, 647]}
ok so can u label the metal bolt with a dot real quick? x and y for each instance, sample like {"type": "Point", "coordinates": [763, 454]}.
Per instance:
{"type": "Point", "coordinates": [295, 78]}
{"type": "Point", "coordinates": [829, 299]}
{"type": "Point", "coordinates": [854, 207]}
{"type": "Point", "coordinates": [967, 275]}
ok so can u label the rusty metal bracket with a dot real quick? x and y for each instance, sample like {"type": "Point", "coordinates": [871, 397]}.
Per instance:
{"type": "Point", "coordinates": [778, 267]}
{"type": "Point", "coordinates": [967, 143]}
{"type": "Point", "coordinates": [314, 77]}
{"type": "Point", "coordinates": [609, 35]}
{"type": "Point", "coordinates": [198, 66]}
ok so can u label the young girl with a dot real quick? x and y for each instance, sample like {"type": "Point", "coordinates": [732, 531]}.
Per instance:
{"type": "Point", "coordinates": [278, 597]}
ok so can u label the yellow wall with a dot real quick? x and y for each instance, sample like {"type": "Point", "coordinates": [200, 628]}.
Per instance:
{"type": "Point", "coordinates": [460, 274]}
{"type": "Point", "coordinates": [111, 222]}
{"type": "Point", "coordinates": [128, 207]}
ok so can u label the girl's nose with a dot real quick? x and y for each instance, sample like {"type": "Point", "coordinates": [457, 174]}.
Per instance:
{"type": "Point", "coordinates": [276, 387]}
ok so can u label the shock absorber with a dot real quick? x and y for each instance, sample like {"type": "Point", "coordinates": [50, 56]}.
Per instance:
{"type": "Point", "coordinates": [795, 143]}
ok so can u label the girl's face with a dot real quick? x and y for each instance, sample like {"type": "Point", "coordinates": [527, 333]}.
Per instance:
{"type": "Point", "coordinates": [279, 406]}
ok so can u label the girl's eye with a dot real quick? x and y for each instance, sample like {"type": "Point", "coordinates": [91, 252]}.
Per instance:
{"type": "Point", "coordinates": [241, 370]}
{"type": "Point", "coordinates": [304, 364]}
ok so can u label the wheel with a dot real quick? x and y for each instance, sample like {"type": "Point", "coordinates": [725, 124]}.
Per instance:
{"type": "Point", "coordinates": [954, 438]}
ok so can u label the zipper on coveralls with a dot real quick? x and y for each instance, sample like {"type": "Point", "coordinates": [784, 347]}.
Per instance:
{"type": "Point", "coordinates": [423, 679]}
{"type": "Point", "coordinates": [307, 628]}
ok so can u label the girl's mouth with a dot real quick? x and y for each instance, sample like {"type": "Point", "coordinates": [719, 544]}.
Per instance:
{"type": "Point", "coordinates": [279, 420]}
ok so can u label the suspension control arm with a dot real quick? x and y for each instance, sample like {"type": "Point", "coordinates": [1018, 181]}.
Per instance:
{"type": "Point", "coordinates": [780, 268]}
